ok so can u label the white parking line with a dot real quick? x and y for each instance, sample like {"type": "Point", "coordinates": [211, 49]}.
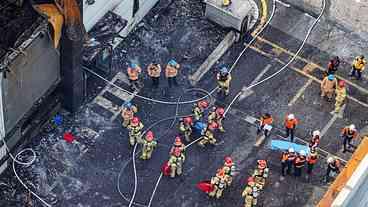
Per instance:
{"type": "Point", "coordinates": [283, 3]}
{"type": "Point", "coordinates": [332, 120]}
{"type": "Point", "coordinates": [246, 92]}
{"type": "Point", "coordinates": [300, 92]}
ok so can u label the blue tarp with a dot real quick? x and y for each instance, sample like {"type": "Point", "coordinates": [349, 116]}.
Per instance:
{"type": "Point", "coordinates": [285, 145]}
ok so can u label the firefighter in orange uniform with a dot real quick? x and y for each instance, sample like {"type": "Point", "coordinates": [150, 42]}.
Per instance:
{"type": "Point", "coordinates": [312, 160]}
{"type": "Point", "coordinates": [154, 71]}
{"type": "Point", "coordinates": [333, 166]}
{"type": "Point", "coordinates": [265, 121]}
{"type": "Point", "coordinates": [171, 72]}
{"type": "Point", "coordinates": [299, 163]}
{"type": "Point", "coordinates": [314, 142]}
{"type": "Point", "coordinates": [290, 124]}
{"type": "Point", "coordinates": [287, 161]}
{"type": "Point", "coordinates": [348, 133]}
{"type": "Point", "coordinates": [133, 75]}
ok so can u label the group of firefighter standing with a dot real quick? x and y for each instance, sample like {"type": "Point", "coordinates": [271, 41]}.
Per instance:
{"type": "Point", "coordinates": [224, 175]}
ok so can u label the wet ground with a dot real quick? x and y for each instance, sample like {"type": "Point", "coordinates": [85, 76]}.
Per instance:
{"type": "Point", "coordinates": [86, 172]}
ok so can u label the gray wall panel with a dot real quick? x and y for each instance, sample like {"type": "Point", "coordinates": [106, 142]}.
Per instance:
{"type": "Point", "coordinates": [31, 76]}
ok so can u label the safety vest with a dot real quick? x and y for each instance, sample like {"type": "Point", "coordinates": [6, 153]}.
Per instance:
{"type": "Point", "coordinates": [284, 157]}
{"type": "Point", "coordinates": [154, 70]}
{"type": "Point", "coordinates": [171, 71]}
{"type": "Point", "coordinates": [291, 123]}
{"type": "Point", "coordinates": [349, 133]}
{"type": "Point", "coordinates": [359, 64]}
{"type": "Point", "coordinates": [267, 120]}
{"type": "Point", "coordinates": [133, 73]}
{"type": "Point", "coordinates": [299, 162]}
{"type": "Point", "coordinates": [312, 159]}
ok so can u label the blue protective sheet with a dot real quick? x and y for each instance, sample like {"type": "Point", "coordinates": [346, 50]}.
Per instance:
{"type": "Point", "coordinates": [285, 145]}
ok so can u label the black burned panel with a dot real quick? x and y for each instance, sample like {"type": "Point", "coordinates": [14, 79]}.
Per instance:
{"type": "Point", "coordinates": [14, 22]}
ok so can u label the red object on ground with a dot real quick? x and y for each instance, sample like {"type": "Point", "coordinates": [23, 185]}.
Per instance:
{"type": "Point", "coordinates": [166, 170]}
{"type": "Point", "coordinates": [68, 137]}
{"type": "Point", "coordinates": [205, 186]}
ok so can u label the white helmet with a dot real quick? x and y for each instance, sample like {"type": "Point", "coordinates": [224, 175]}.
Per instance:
{"type": "Point", "coordinates": [302, 153]}
{"type": "Point", "coordinates": [291, 150]}
{"type": "Point", "coordinates": [330, 160]}
{"type": "Point", "coordinates": [316, 133]}
{"type": "Point", "coordinates": [291, 116]}
{"type": "Point", "coordinates": [352, 127]}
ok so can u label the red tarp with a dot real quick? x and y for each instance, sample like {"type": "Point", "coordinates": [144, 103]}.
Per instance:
{"type": "Point", "coordinates": [166, 169]}
{"type": "Point", "coordinates": [205, 186]}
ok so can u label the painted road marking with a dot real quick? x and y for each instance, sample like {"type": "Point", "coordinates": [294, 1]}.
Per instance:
{"type": "Point", "coordinates": [302, 72]}
{"type": "Point", "coordinates": [332, 120]}
{"type": "Point", "coordinates": [122, 95]}
{"type": "Point", "coordinates": [263, 17]}
{"type": "Point", "coordinates": [220, 50]}
{"type": "Point", "coordinates": [308, 61]}
{"type": "Point", "coordinates": [300, 92]}
{"type": "Point", "coordinates": [309, 68]}
{"type": "Point", "coordinates": [283, 3]}
{"type": "Point", "coordinates": [247, 92]}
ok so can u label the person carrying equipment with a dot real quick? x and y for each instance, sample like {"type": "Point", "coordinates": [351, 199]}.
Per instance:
{"type": "Point", "coordinates": [219, 184]}
{"type": "Point", "coordinates": [185, 127]}
{"type": "Point", "coordinates": [333, 168]}
{"type": "Point", "coordinates": [328, 86]}
{"type": "Point", "coordinates": [127, 113]}
{"type": "Point", "coordinates": [290, 124]}
{"type": "Point", "coordinates": [133, 75]}
{"type": "Point", "coordinates": [223, 81]}
{"type": "Point", "coordinates": [229, 169]}
{"type": "Point", "coordinates": [299, 163]}
{"type": "Point", "coordinates": [148, 146]}
{"type": "Point", "coordinates": [171, 72]}
{"type": "Point", "coordinates": [199, 109]}
{"type": "Point", "coordinates": [250, 193]}
{"type": "Point", "coordinates": [314, 142]}
{"type": "Point", "coordinates": [177, 158]}
{"type": "Point", "coordinates": [357, 67]}
{"type": "Point", "coordinates": [135, 127]}
{"type": "Point", "coordinates": [312, 160]}
{"type": "Point", "coordinates": [261, 173]}
{"type": "Point", "coordinates": [207, 135]}
{"type": "Point", "coordinates": [340, 96]}
{"type": "Point", "coordinates": [333, 65]}
{"type": "Point", "coordinates": [154, 72]}
{"type": "Point", "coordinates": [348, 133]}
{"type": "Point", "coordinates": [217, 115]}
{"type": "Point", "coordinates": [265, 124]}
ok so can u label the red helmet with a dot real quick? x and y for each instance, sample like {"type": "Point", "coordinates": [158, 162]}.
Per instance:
{"type": "Point", "coordinates": [149, 136]}
{"type": "Point", "coordinates": [203, 104]}
{"type": "Point", "coordinates": [262, 164]}
{"type": "Point", "coordinates": [220, 111]}
{"type": "Point", "coordinates": [213, 126]}
{"type": "Point", "coordinates": [135, 120]}
{"type": "Point", "coordinates": [342, 83]}
{"type": "Point", "coordinates": [188, 120]}
{"type": "Point", "coordinates": [228, 161]}
{"type": "Point", "coordinates": [178, 141]}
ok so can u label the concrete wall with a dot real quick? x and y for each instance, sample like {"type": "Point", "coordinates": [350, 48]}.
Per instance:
{"type": "Point", "coordinates": [351, 14]}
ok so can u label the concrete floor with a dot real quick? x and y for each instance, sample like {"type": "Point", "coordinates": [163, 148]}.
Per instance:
{"type": "Point", "coordinates": [85, 173]}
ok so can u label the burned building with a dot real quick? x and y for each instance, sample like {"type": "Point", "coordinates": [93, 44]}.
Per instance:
{"type": "Point", "coordinates": [35, 72]}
